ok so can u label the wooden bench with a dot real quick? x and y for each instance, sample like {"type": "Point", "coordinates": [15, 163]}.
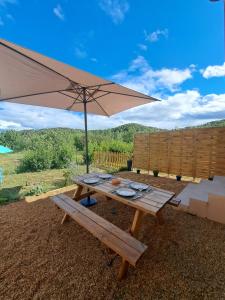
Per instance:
{"type": "Point", "coordinates": [113, 237]}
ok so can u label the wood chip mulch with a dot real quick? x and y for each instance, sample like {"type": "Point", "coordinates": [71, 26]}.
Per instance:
{"type": "Point", "coordinates": [42, 259]}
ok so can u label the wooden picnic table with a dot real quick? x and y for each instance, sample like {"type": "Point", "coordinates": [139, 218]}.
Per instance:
{"type": "Point", "coordinates": [151, 202]}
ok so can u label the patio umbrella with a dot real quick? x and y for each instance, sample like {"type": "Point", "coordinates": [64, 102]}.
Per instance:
{"type": "Point", "coordinates": [28, 77]}
{"type": "Point", "coordinates": [4, 149]}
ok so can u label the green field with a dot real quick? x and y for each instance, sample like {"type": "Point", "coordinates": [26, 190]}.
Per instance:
{"type": "Point", "coordinates": [16, 186]}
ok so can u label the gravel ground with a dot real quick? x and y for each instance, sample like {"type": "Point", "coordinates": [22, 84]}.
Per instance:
{"type": "Point", "coordinates": [41, 259]}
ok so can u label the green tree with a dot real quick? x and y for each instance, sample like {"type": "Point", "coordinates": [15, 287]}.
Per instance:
{"type": "Point", "coordinates": [37, 160]}
{"type": "Point", "coordinates": [62, 156]}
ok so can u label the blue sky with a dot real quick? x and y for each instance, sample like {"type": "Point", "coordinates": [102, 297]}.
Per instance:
{"type": "Point", "coordinates": [173, 50]}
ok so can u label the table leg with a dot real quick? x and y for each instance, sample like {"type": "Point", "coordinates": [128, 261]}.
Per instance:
{"type": "Point", "coordinates": [136, 222]}
{"type": "Point", "coordinates": [78, 192]}
{"type": "Point", "coordinates": [160, 219]}
{"type": "Point", "coordinates": [133, 231]}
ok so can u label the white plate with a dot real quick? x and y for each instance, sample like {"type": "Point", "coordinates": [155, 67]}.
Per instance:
{"type": "Point", "coordinates": [91, 180]}
{"type": "Point", "coordinates": [126, 192]}
{"type": "Point", "coordinates": [105, 176]}
{"type": "Point", "coordinates": [139, 186]}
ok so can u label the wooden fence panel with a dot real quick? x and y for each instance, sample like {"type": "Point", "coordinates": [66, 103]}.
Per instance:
{"type": "Point", "coordinates": [141, 151]}
{"type": "Point", "coordinates": [110, 159]}
{"type": "Point", "coordinates": [163, 152]}
{"type": "Point", "coordinates": [190, 152]}
{"type": "Point", "coordinates": [175, 152]}
{"type": "Point", "coordinates": [219, 164]}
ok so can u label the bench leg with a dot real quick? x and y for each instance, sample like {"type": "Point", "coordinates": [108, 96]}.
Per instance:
{"type": "Point", "coordinates": [78, 192]}
{"type": "Point", "coordinates": [65, 218]}
{"type": "Point", "coordinates": [160, 220]}
{"type": "Point", "coordinates": [134, 232]}
{"type": "Point", "coordinates": [123, 269]}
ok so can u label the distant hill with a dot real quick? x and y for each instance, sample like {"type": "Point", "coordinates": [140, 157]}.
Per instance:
{"type": "Point", "coordinates": [124, 132]}
{"type": "Point", "coordinates": [120, 137]}
{"type": "Point", "coordinates": [131, 127]}
{"type": "Point", "coordinates": [220, 123]}
{"type": "Point", "coordinates": [135, 127]}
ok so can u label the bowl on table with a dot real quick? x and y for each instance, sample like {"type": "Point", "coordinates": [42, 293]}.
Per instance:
{"type": "Point", "coordinates": [115, 181]}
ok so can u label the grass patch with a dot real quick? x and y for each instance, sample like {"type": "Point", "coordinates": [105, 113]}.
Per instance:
{"type": "Point", "coordinates": [10, 161]}
{"type": "Point", "coordinates": [16, 186]}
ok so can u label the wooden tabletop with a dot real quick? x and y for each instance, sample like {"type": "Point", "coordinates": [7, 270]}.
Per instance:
{"type": "Point", "coordinates": [150, 202]}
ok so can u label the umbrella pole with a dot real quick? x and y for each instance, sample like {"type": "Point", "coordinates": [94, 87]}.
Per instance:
{"type": "Point", "coordinates": [87, 201]}
{"type": "Point", "coordinates": [86, 135]}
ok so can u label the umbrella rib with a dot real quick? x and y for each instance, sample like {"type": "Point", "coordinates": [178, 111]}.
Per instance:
{"type": "Point", "coordinates": [94, 99]}
{"type": "Point", "coordinates": [74, 102]}
{"type": "Point", "coordinates": [102, 108]}
{"type": "Point", "coordinates": [34, 94]}
{"type": "Point", "coordinates": [123, 94]}
{"type": "Point", "coordinates": [70, 96]}
{"type": "Point", "coordinates": [99, 85]}
{"type": "Point", "coordinates": [34, 60]}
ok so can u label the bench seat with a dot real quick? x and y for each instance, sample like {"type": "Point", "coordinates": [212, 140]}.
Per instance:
{"type": "Point", "coordinates": [113, 237]}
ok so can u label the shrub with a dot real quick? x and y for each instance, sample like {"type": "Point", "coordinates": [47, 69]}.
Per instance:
{"type": "Point", "coordinates": [122, 169]}
{"type": "Point", "coordinates": [63, 155]}
{"type": "Point", "coordinates": [67, 176]}
{"type": "Point", "coordinates": [114, 146]}
{"type": "Point", "coordinates": [37, 190]}
{"type": "Point", "coordinates": [45, 156]}
{"type": "Point", "coordinates": [37, 160]}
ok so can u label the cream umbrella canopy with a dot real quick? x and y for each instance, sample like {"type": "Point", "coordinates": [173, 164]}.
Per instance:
{"type": "Point", "coordinates": [28, 77]}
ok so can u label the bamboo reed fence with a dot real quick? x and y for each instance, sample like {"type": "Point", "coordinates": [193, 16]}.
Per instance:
{"type": "Point", "coordinates": [110, 159]}
{"type": "Point", "coordinates": [198, 153]}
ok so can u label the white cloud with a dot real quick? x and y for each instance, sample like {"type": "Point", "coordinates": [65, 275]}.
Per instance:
{"type": "Point", "coordinates": [213, 71]}
{"type": "Point", "coordinates": [58, 11]}
{"type": "Point", "coordinates": [6, 2]}
{"type": "Point", "coordinates": [80, 52]}
{"type": "Point", "coordinates": [6, 125]}
{"type": "Point", "coordinates": [179, 110]}
{"type": "Point", "coordinates": [116, 9]}
{"type": "Point", "coordinates": [155, 35]}
{"type": "Point", "coordinates": [94, 59]}
{"type": "Point", "coordinates": [4, 15]}
{"type": "Point", "coordinates": [143, 47]}
{"type": "Point", "coordinates": [142, 77]}
{"type": "Point", "coordinates": [82, 44]}
{"type": "Point", "coordinates": [20, 116]}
